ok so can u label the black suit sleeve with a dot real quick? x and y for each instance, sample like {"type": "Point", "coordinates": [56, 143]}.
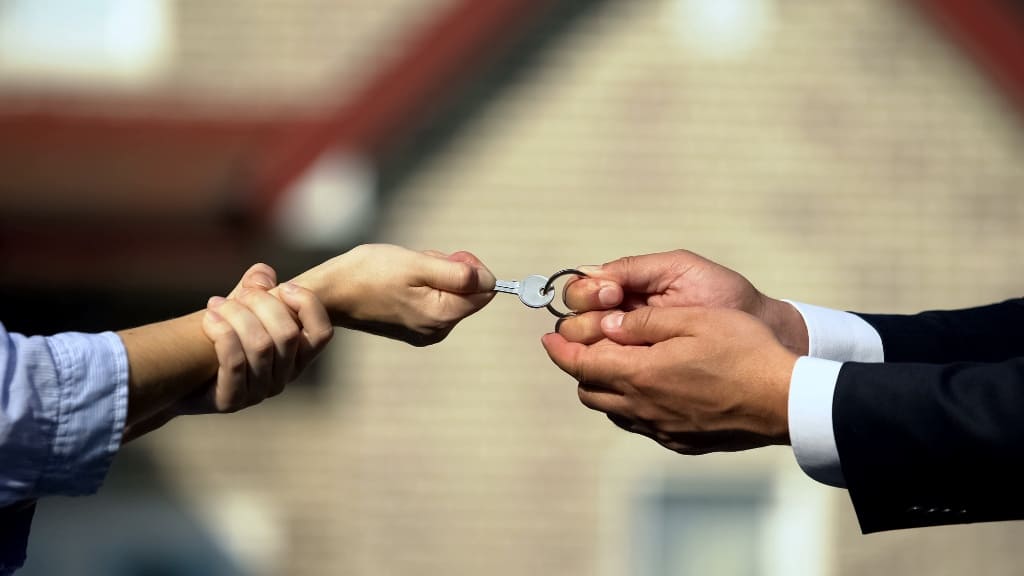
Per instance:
{"type": "Point", "coordinates": [990, 333]}
{"type": "Point", "coordinates": [15, 521]}
{"type": "Point", "coordinates": [924, 445]}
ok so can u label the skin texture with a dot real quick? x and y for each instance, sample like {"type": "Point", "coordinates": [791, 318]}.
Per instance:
{"type": "Point", "coordinates": [261, 342]}
{"type": "Point", "coordinates": [695, 380]}
{"type": "Point", "coordinates": [680, 349]}
{"type": "Point", "coordinates": [246, 347]}
{"type": "Point", "coordinates": [667, 280]}
{"type": "Point", "coordinates": [416, 297]}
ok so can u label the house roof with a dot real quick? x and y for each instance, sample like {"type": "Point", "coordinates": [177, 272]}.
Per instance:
{"type": "Point", "coordinates": [189, 173]}
{"type": "Point", "coordinates": [95, 186]}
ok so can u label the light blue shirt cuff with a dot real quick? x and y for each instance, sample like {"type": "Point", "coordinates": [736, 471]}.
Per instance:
{"type": "Point", "coordinates": [92, 393]}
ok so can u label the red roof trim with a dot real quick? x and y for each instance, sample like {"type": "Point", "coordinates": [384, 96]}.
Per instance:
{"type": "Point", "coordinates": [462, 41]}
{"type": "Point", "coordinates": [990, 30]}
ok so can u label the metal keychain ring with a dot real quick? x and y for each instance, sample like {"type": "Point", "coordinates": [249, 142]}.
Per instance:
{"type": "Point", "coordinates": [551, 286]}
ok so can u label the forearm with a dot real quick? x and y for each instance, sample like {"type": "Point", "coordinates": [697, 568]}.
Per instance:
{"type": "Point", "coordinates": [925, 444]}
{"type": "Point", "coordinates": [166, 362]}
{"type": "Point", "coordinates": [980, 334]}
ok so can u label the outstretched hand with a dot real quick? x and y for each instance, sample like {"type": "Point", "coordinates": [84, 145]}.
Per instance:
{"type": "Point", "coordinates": [695, 380]}
{"type": "Point", "coordinates": [264, 335]}
{"type": "Point", "coordinates": [678, 278]}
{"type": "Point", "coordinates": [416, 297]}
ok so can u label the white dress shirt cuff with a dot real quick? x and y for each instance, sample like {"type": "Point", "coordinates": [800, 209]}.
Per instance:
{"type": "Point", "coordinates": [837, 335]}
{"type": "Point", "coordinates": [811, 388]}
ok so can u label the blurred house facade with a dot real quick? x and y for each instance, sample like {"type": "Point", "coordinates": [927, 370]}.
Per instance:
{"type": "Point", "coordinates": [846, 154]}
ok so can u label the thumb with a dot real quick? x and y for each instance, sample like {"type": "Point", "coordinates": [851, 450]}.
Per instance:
{"type": "Point", "coordinates": [258, 276]}
{"type": "Point", "coordinates": [485, 278]}
{"type": "Point", "coordinates": [465, 275]}
{"type": "Point", "coordinates": [649, 325]}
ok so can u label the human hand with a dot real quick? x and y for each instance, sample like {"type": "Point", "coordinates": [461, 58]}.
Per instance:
{"type": "Point", "coordinates": [672, 279]}
{"type": "Point", "coordinates": [695, 380]}
{"type": "Point", "coordinates": [262, 342]}
{"type": "Point", "coordinates": [264, 338]}
{"type": "Point", "coordinates": [416, 297]}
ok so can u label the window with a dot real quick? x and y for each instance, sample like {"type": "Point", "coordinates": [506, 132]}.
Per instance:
{"type": "Point", "coordinates": [697, 530]}
{"type": "Point", "coordinates": [752, 513]}
{"type": "Point", "coordinates": [87, 43]}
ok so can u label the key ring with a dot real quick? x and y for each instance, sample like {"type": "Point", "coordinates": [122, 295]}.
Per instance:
{"type": "Point", "coordinates": [550, 285]}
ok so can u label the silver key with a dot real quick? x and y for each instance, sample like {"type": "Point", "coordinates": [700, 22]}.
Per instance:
{"type": "Point", "coordinates": [530, 290]}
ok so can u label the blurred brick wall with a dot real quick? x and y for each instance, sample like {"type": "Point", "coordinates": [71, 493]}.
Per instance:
{"type": "Point", "coordinates": [303, 53]}
{"type": "Point", "coordinates": [855, 160]}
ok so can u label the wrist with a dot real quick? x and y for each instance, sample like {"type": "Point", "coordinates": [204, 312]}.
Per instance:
{"type": "Point", "coordinates": [787, 324]}
{"type": "Point", "coordinates": [323, 281]}
{"type": "Point", "coordinates": [782, 377]}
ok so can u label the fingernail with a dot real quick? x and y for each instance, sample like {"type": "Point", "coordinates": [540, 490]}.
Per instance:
{"type": "Point", "coordinates": [589, 269]}
{"type": "Point", "coordinates": [214, 316]}
{"type": "Point", "coordinates": [612, 321]}
{"type": "Point", "coordinates": [608, 295]}
{"type": "Point", "coordinates": [215, 301]}
{"type": "Point", "coordinates": [262, 280]}
{"type": "Point", "coordinates": [289, 288]}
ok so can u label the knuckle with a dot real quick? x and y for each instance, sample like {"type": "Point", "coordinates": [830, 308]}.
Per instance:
{"type": "Point", "coordinates": [261, 345]}
{"type": "Point", "coordinates": [585, 397]}
{"type": "Point", "coordinates": [641, 378]}
{"type": "Point", "coordinates": [320, 338]}
{"type": "Point", "coordinates": [646, 412]}
{"type": "Point", "coordinates": [290, 335]}
{"type": "Point", "coordinates": [302, 294]}
{"type": "Point", "coordinates": [264, 268]}
{"type": "Point", "coordinates": [361, 250]}
{"type": "Point", "coordinates": [627, 264]}
{"type": "Point", "coordinates": [463, 276]}
{"type": "Point", "coordinates": [248, 297]}
{"type": "Point", "coordinates": [686, 449]}
{"type": "Point", "coordinates": [579, 369]}
{"type": "Point", "coordinates": [640, 319]}
{"type": "Point", "coordinates": [235, 363]}
{"type": "Point", "coordinates": [231, 403]}
{"type": "Point", "coordinates": [325, 336]}
{"type": "Point", "coordinates": [215, 330]}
